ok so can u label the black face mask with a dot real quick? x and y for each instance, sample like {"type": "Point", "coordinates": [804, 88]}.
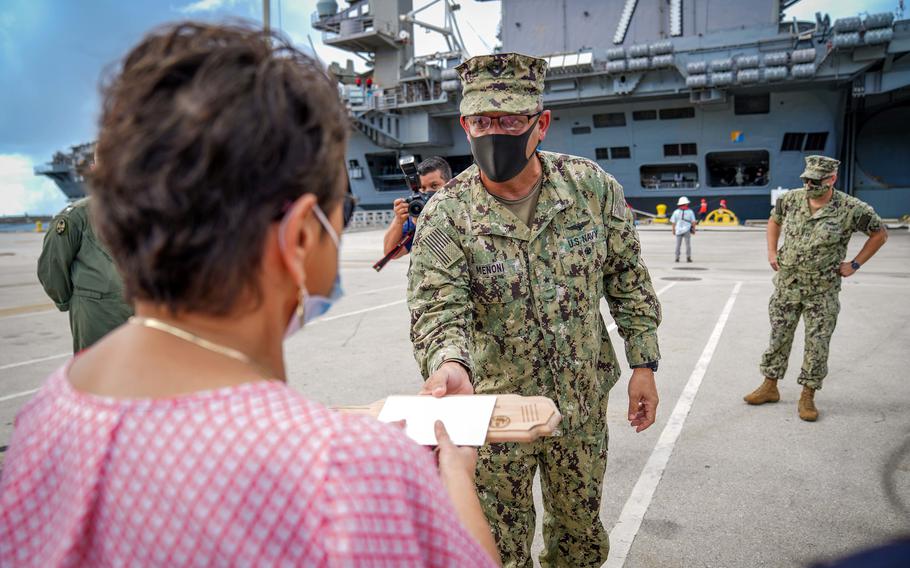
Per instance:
{"type": "Point", "coordinates": [815, 189]}
{"type": "Point", "coordinates": [502, 156]}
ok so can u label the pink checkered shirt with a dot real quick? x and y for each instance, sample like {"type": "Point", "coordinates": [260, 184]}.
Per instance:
{"type": "Point", "coordinates": [247, 475]}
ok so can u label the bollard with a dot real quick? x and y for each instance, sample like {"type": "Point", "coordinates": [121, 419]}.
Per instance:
{"type": "Point", "coordinates": [39, 227]}
{"type": "Point", "coordinates": [661, 214]}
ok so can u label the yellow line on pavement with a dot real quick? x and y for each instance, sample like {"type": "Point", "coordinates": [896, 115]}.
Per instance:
{"type": "Point", "coordinates": [4, 312]}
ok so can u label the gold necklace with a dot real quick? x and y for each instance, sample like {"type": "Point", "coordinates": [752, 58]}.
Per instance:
{"type": "Point", "coordinates": [185, 335]}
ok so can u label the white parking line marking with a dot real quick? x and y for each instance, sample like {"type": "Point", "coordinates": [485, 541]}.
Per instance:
{"type": "Point", "coordinates": [356, 312]}
{"type": "Point", "coordinates": [33, 361]}
{"type": "Point", "coordinates": [17, 395]}
{"type": "Point", "coordinates": [636, 506]}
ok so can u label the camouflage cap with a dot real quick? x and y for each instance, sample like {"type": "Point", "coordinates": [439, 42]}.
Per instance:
{"type": "Point", "coordinates": [502, 82]}
{"type": "Point", "coordinates": [820, 167]}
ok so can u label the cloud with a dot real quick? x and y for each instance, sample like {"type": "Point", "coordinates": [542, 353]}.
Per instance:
{"type": "Point", "coordinates": [204, 6]}
{"type": "Point", "coordinates": [21, 191]}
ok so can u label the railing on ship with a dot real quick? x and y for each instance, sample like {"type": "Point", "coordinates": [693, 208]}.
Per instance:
{"type": "Point", "coordinates": [371, 219]}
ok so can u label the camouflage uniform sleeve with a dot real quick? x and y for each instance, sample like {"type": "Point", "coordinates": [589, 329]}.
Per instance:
{"type": "Point", "coordinates": [627, 283]}
{"type": "Point", "coordinates": [439, 294]}
{"type": "Point", "coordinates": [865, 219]}
{"type": "Point", "coordinates": [780, 209]}
{"type": "Point", "coordinates": [61, 245]}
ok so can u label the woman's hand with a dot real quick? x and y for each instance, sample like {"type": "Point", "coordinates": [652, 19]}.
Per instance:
{"type": "Point", "coordinates": [456, 468]}
{"type": "Point", "coordinates": [456, 463]}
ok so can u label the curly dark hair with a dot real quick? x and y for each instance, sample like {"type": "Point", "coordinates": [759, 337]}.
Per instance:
{"type": "Point", "coordinates": [208, 132]}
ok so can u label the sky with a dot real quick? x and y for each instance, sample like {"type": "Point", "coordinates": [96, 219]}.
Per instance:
{"type": "Point", "coordinates": [54, 54]}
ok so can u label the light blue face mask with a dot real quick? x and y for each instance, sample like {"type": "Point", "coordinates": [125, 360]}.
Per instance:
{"type": "Point", "coordinates": [310, 306]}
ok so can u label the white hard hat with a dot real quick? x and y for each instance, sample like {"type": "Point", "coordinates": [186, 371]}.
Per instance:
{"type": "Point", "coordinates": [683, 200]}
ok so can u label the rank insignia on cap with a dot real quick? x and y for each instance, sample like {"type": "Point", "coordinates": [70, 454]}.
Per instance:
{"type": "Point", "coordinates": [61, 226]}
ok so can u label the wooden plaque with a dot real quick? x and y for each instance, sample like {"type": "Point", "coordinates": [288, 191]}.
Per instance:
{"type": "Point", "coordinates": [515, 418]}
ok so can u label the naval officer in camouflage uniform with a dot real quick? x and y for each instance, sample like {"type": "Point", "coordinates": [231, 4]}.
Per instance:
{"type": "Point", "coordinates": [509, 264]}
{"type": "Point", "coordinates": [78, 274]}
{"type": "Point", "coordinates": [817, 223]}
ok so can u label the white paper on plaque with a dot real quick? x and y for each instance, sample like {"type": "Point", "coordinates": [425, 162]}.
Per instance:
{"type": "Point", "coordinates": [466, 417]}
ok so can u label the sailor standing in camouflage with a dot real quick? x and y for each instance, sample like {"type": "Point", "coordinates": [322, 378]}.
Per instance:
{"type": "Point", "coordinates": [817, 222]}
{"type": "Point", "coordinates": [509, 264]}
{"type": "Point", "coordinates": [78, 274]}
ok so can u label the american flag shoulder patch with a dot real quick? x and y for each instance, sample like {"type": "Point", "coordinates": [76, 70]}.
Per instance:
{"type": "Point", "coordinates": [442, 247]}
{"type": "Point", "coordinates": [619, 203]}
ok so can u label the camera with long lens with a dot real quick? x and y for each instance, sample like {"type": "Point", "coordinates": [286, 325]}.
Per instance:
{"type": "Point", "coordinates": [416, 201]}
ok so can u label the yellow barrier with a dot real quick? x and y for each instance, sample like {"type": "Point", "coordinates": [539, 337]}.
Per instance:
{"type": "Point", "coordinates": [661, 214]}
{"type": "Point", "coordinates": [721, 218]}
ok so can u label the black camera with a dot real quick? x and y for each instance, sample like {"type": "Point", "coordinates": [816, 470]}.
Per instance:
{"type": "Point", "coordinates": [417, 201]}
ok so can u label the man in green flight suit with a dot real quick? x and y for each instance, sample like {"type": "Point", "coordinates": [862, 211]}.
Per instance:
{"type": "Point", "coordinates": [78, 274]}
{"type": "Point", "coordinates": [510, 261]}
{"type": "Point", "coordinates": [817, 222]}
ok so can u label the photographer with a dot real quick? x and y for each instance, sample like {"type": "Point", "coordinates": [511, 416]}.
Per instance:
{"type": "Point", "coordinates": [434, 173]}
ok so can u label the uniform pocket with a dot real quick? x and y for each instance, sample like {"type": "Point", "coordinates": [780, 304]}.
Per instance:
{"type": "Point", "coordinates": [583, 251]}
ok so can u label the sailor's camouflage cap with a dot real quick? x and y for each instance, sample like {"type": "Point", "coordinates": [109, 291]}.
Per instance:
{"type": "Point", "coordinates": [820, 167]}
{"type": "Point", "coordinates": [502, 82]}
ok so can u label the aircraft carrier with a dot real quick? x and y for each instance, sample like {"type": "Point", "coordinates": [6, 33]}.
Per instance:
{"type": "Point", "coordinates": [713, 99]}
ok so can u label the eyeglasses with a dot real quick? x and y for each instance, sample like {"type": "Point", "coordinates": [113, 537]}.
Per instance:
{"type": "Point", "coordinates": [509, 123]}
{"type": "Point", "coordinates": [347, 209]}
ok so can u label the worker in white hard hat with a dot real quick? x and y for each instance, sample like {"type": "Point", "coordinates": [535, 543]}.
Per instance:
{"type": "Point", "coordinates": [683, 222]}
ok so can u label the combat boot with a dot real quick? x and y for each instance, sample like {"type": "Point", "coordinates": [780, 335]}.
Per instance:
{"type": "Point", "coordinates": [807, 410]}
{"type": "Point", "coordinates": [767, 392]}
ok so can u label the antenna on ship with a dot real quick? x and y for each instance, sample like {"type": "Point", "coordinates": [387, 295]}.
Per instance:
{"type": "Point", "coordinates": [449, 31]}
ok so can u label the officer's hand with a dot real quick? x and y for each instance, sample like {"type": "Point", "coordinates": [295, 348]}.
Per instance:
{"type": "Point", "coordinates": [772, 260]}
{"type": "Point", "coordinates": [456, 463]}
{"type": "Point", "coordinates": [846, 269]}
{"type": "Point", "coordinates": [449, 378]}
{"type": "Point", "coordinates": [401, 210]}
{"type": "Point", "coordinates": [642, 399]}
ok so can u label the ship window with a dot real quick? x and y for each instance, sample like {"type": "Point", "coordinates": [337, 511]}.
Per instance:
{"type": "Point", "coordinates": [793, 142]}
{"type": "Point", "coordinates": [688, 149]}
{"type": "Point", "coordinates": [354, 163]}
{"type": "Point", "coordinates": [620, 152]}
{"type": "Point", "coordinates": [602, 153]}
{"type": "Point", "coordinates": [669, 176]}
{"type": "Point", "coordinates": [674, 113]}
{"type": "Point", "coordinates": [383, 167]}
{"type": "Point", "coordinates": [644, 115]}
{"type": "Point", "coordinates": [609, 119]}
{"type": "Point", "coordinates": [581, 130]}
{"type": "Point", "coordinates": [746, 168]}
{"type": "Point", "coordinates": [752, 104]}
{"type": "Point", "coordinates": [815, 142]}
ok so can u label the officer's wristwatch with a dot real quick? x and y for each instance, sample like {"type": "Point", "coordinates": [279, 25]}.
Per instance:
{"type": "Point", "coordinates": [855, 265]}
{"type": "Point", "coordinates": [649, 365]}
